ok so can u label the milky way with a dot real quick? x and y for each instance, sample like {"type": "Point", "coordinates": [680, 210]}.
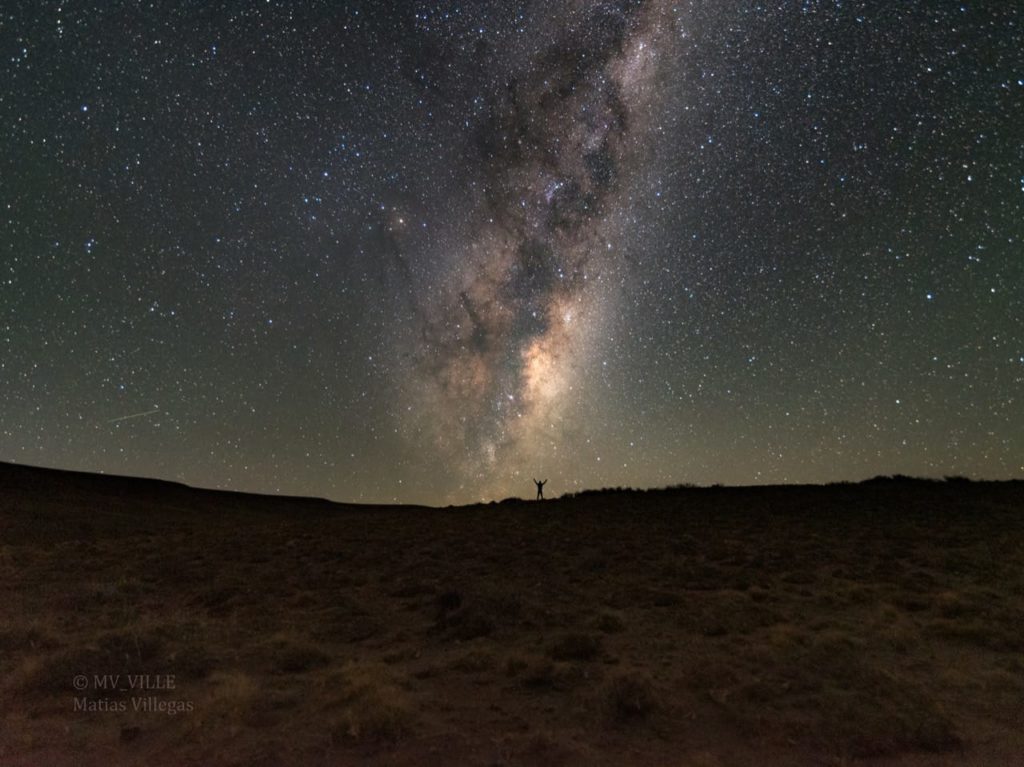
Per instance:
{"type": "Point", "coordinates": [425, 252]}
{"type": "Point", "coordinates": [500, 361]}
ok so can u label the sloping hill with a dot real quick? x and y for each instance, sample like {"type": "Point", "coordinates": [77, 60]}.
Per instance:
{"type": "Point", "coordinates": [877, 623]}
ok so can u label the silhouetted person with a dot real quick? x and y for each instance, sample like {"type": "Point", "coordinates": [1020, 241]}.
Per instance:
{"type": "Point", "coordinates": [540, 488]}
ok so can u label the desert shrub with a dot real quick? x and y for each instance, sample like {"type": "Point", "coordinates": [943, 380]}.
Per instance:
{"type": "Point", "coordinates": [125, 590]}
{"type": "Point", "coordinates": [192, 661]}
{"type": "Point", "coordinates": [545, 748]}
{"type": "Point", "coordinates": [630, 696]}
{"type": "Point", "coordinates": [465, 619]}
{"type": "Point", "coordinates": [232, 692]}
{"type": "Point", "coordinates": [515, 665]}
{"type": "Point", "coordinates": [448, 601]}
{"type": "Point", "coordinates": [378, 717]}
{"type": "Point", "coordinates": [18, 639]}
{"type": "Point", "coordinates": [988, 633]}
{"type": "Point", "coordinates": [344, 621]}
{"type": "Point", "coordinates": [292, 655]}
{"type": "Point", "coordinates": [296, 659]}
{"type": "Point", "coordinates": [824, 690]}
{"type": "Point", "coordinates": [411, 590]}
{"type": "Point", "coordinates": [610, 622]}
{"type": "Point", "coordinates": [575, 647]}
{"type": "Point", "coordinates": [370, 706]}
{"type": "Point", "coordinates": [187, 648]}
{"type": "Point", "coordinates": [53, 672]}
{"type": "Point", "coordinates": [540, 673]}
{"type": "Point", "coordinates": [466, 624]}
{"type": "Point", "coordinates": [115, 653]}
{"type": "Point", "coordinates": [475, 661]}
{"type": "Point", "coordinates": [217, 600]}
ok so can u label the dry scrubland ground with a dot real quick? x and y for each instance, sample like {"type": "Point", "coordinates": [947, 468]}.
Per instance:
{"type": "Point", "coordinates": [880, 623]}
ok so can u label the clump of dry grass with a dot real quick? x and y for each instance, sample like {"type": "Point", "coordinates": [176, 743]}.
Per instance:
{"type": "Point", "coordinates": [229, 700]}
{"type": "Point", "coordinates": [515, 665]}
{"type": "Point", "coordinates": [189, 650]}
{"type": "Point", "coordinates": [467, 623]}
{"type": "Point", "coordinates": [546, 748]}
{"type": "Point", "coordinates": [295, 659]}
{"type": "Point", "coordinates": [475, 661]}
{"type": "Point", "coordinates": [369, 705]}
{"type": "Point", "coordinates": [610, 622]}
{"type": "Point", "coordinates": [465, 618]}
{"type": "Point", "coordinates": [630, 696]}
{"type": "Point", "coordinates": [22, 639]}
{"type": "Point", "coordinates": [989, 633]}
{"type": "Point", "coordinates": [112, 653]}
{"type": "Point", "coordinates": [232, 691]}
{"type": "Point", "coordinates": [724, 613]}
{"type": "Point", "coordinates": [293, 655]}
{"type": "Point", "coordinates": [344, 622]}
{"type": "Point", "coordinates": [575, 646]}
{"type": "Point", "coordinates": [826, 689]}
{"type": "Point", "coordinates": [540, 673]}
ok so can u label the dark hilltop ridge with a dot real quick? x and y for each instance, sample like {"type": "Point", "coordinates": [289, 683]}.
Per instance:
{"type": "Point", "coordinates": [147, 622]}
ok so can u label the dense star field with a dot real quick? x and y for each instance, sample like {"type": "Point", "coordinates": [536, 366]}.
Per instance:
{"type": "Point", "coordinates": [425, 252]}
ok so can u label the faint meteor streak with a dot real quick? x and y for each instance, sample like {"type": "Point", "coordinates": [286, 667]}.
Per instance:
{"type": "Point", "coordinates": [134, 415]}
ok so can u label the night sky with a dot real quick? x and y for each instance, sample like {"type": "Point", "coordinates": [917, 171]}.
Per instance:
{"type": "Point", "coordinates": [425, 252]}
